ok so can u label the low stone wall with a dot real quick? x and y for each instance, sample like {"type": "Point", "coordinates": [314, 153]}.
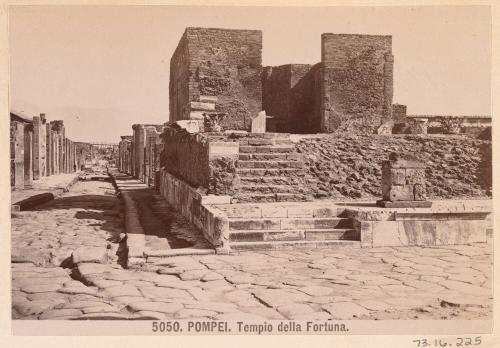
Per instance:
{"type": "Point", "coordinates": [462, 223]}
{"type": "Point", "coordinates": [195, 206]}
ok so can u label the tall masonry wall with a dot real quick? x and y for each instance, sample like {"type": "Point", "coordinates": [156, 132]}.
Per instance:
{"type": "Point", "coordinates": [291, 95]}
{"type": "Point", "coordinates": [357, 80]}
{"type": "Point", "coordinates": [225, 63]}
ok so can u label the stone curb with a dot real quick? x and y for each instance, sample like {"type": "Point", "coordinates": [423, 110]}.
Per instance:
{"type": "Point", "coordinates": [35, 200]}
{"type": "Point", "coordinates": [135, 241]}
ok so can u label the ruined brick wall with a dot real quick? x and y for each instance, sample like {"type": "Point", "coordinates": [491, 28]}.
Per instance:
{"type": "Point", "coordinates": [291, 94]}
{"type": "Point", "coordinates": [276, 95]}
{"type": "Point", "coordinates": [218, 62]}
{"type": "Point", "coordinates": [305, 98]}
{"type": "Point", "coordinates": [357, 82]}
{"type": "Point", "coordinates": [179, 87]}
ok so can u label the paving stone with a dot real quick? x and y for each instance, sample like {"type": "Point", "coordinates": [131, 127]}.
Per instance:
{"type": "Point", "coordinates": [159, 292]}
{"type": "Point", "coordinates": [239, 316]}
{"type": "Point", "coordinates": [316, 290]}
{"type": "Point", "coordinates": [345, 310]}
{"type": "Point", "coordinates": [122, 290]}
{"type": "Point", "coordinates": [211, 276]}
{"type": "Point", "coordinates": [78, 290]}
{"type": "Point", "coordinates": [465, 287]}
{"type": "Point", "coordinates": [221, 307]}
{"type": "Point", "coordinates": [161, 307]}
{"type": "Point", "coordinates": [26, 308]}
{"type": "Point", "coordinates": [82, 304]}
{"type": "Point", "coordinates": [328, 299]}
{"type": "Point", "coordinates": [278, 297]}
{"type": "Point", "coordinates": [105, 308]}
{"type": "Point", "coordinates": [240, 279]}
{"type": "Point", "coordinates": [35, 288]}
{"type": "Point", "coordinates": [194, 313]}
{"type": "Point", "coordinates": [90, 254]}
{"type": "Point", "coordinates": [55, 314]}
{"type": "Point", "coordinates": [149, 315]}
{"type": "Point", "coordinates": [293, 309]}
{"type": "Point", "coordinates": [373, 305]}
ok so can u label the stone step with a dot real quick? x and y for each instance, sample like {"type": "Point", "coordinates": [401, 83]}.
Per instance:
{"type": "Point", "coordinates": [264, 142]}
{"type": "Point", "coordinates": [273, 180]}
{"type": "Point", "coordinates": [270, 197]}
{"type": "Point", "coordinates": [291, 235]}
{"type": "Point", "coordinates": [332, 234]}
{"type": "Point", "coordinates": [280, 156]}
{"type": "Point", "coordinates": [266, 149]}
{"type": "Point", "coordinates": [243, 224]}
{"type": "Point", "coordinates": [247, 172]}
{"type": "Point", "coordinates": [295, 244]}
{"type": "Point", "coordinates": [269, 188]}
{"type": "Point", "coordinates": [269, 164]}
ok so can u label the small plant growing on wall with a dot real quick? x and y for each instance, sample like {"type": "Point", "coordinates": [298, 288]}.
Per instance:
{"type": "Point", "coordinates": [212, 121]}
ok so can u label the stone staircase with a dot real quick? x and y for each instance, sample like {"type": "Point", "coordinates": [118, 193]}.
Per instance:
{"type": "Point", "coordinates": [270, 170]}
{"type": "Point", "coordinates": [268, 227]}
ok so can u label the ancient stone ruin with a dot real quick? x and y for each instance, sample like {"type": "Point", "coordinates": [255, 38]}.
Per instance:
{"type": "Point", "coordinates": [403, 183]}
{"type": "Point", "coordinates": [39, 148]}
{"type": "Point", "coordinates": [228, 142]}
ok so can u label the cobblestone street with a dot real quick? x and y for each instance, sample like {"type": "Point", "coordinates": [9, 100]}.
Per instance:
{"type": "Point", "coordinates": [67, 259]}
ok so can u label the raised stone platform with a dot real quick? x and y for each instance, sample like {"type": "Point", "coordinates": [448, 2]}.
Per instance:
{"type": "Point", "coordinates": [404, 204]}
{"type": "Point", "coordinates": [446, 223]}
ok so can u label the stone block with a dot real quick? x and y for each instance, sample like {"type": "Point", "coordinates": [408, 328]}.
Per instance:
{"type": "Point", "coordinates": [415, 176]}
{"type": "Point", "coordinates": [208, 99]}
{"type": "Point", "coordinates": [274, 212]}
{"type": "Point", "coordinates": [399, 193]}
{"type": "Point", "coordinates": [192, 126]}
{"type": "Point", "coordinates": [386, 233]}
{"type": "Point", "coordinates": [300, 211]}
{"type": "Point", "coordinates": [196, 115]}
{"type": "Point", "coordinates": [223, 149]}
{"type": "Point", "coordinates": [398, 176]}
{"type": "Point", "coordinates": [259, 123]}
{"type": "Point", "coordinates": [202, 106]}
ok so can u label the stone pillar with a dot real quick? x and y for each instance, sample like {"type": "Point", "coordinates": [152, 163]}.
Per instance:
{"type": "Point", "coordinates": [28, 154]}
{"type": "Point", "coordinates": [139, 142]}
{"type": "Point", "coordinates": [403, 183]}
{"type": "Point", "coordinates": [39, 147]}
{"type": "Point", "coordinates": [16, 155]}
{"type": "Point", "coordinates": [49, 159]}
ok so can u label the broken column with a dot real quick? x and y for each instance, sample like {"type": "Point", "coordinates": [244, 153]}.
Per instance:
{"type": "Point", "coordinates": [403, 183]}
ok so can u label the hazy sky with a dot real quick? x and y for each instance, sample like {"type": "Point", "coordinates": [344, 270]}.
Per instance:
{"type": "Point", "coordinates": [101, 69]}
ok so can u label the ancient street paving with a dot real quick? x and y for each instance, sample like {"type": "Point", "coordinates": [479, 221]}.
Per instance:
{"type": "Point", "coordinates": [82, 225]}
{"type": "Point", "coordinates": [452, 282]}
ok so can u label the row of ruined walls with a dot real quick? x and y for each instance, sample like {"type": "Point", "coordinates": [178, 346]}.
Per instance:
{"type": "Point", "coordinates": [39, 148]}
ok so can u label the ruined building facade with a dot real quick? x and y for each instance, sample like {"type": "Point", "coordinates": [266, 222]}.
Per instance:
{"type": "Point", "coordinates": [39, 148]}
{"type": "Point", "coordinates": [350, 89]}
{"type": "Point", "coordinates": [222, 63]}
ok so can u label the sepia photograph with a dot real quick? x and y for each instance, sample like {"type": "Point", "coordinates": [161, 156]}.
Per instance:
{"type": "Point", "coordinates": [251, 170]}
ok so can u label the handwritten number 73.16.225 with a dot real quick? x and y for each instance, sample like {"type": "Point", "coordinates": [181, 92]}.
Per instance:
{"type": "Point", "coordinates": [449, 342]}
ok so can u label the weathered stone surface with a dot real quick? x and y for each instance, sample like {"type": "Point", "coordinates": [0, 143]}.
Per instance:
{"type": "Point", "coordinates": [345, 310]}
{"type": "Point", "coordinates": [277, 297]}
{"type": "Point", "coordinates": [88, 254]}
{"type": "Point", "coordinates": [162, 307]}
